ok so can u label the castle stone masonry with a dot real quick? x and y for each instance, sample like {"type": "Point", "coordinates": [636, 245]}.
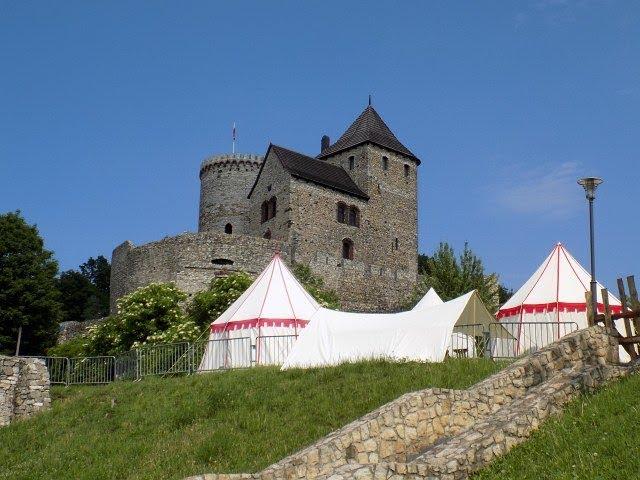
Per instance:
{"type": "Point", "coordinates": [350, 213]}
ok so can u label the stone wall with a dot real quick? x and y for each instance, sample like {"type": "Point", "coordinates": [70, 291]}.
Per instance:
{"type": "Point", "coordinates": [448, 434]}
{"type": "Point", "coordinates": [190, 260]}
{"type": "Point", "coordinates": [225, 181]}
{"type": "Point", "coordinates": [71, 329]}
{"type": "Point", "coordinates": [24, 388]}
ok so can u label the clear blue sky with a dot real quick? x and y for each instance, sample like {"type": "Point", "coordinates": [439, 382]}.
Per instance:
{"type": "Point", "coordinates": [106, 111]}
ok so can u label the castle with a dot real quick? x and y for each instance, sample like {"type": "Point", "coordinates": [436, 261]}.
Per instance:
{"type": "Point", "coordinates": [350, 213]}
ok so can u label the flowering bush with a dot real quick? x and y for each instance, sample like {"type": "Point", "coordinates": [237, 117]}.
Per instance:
{"type": "Point", "coordinates": [142, 316]}
{"type": "Point", "coordinates": [222, 292]}
{"type": "Point", "coordinates": [315, 286]}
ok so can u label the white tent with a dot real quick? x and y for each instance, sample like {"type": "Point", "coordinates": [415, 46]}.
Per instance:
{"type": "Point", "coordinates": [333, 337]}
{"type": "Point", "coordinates": [262, 324]}
{"type": "Point", "coordinates": [430, 299]}
{"type": "Point", "coordinates": [549, 305]}
{"type": "Point", "coordinates": [460, 344]}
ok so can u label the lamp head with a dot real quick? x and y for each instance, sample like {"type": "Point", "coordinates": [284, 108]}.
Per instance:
{"type": "Point", "coordinates": [590, 184]}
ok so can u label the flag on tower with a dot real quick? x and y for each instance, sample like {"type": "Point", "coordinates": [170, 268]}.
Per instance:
{"type": "Point", "coordinates": [233, 135]}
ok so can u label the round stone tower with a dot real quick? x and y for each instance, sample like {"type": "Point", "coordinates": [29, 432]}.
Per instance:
{"type": "Point", "coordinates": [225, 181]}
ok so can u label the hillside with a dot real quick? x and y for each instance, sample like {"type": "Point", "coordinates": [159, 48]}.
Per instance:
{"type": "Point", "coordinates": [596, 437]}
{"type": "Point", "coordinates": [238, 421]}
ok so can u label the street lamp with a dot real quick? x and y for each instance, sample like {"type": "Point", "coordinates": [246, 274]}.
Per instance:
{"type": "Point", "coordinates": [590, 184]}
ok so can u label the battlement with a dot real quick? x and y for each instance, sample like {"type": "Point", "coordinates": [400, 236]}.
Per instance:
{"type": "Point", "coordinates": [230, 160]}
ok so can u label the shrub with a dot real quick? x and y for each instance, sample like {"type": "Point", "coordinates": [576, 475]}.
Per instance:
{"type": "Point", "coordinates": [315, 286]}
{"type": "Point", "coordinates": [209, 304]}
{"type": "Point", "coordinates": [76, 347]}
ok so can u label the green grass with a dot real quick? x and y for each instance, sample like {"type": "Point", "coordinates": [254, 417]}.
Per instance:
{"type": "Point", "coordinates": [239, 421]}
{"type": "Point", "coordinates": [595, 438]}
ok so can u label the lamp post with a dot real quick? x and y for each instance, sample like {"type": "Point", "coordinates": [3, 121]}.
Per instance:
{"type": "Point", "coordinates": [590, 184]}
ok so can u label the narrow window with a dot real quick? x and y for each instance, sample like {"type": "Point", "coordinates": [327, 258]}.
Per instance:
{"type": "Point", "coordinates": [272, 207]}
{"type": "Point", "coordinates": [352, 162]}
{"type": "Point", "coordinates": [385, 163]}
{"type": "Point", "coordinates": [341, 213]}
{"type": "Point", "coordinates": [354, 216]}
{"type": "Point", "coordinates": [267, 234]}
{"type": "Point", "coordinates": [264, 212]}
{"type": "Point", "coordinates": [406, 170]}
{"type": "Point", "coordinates": [228, 228]}
{"type": "Point", "coordinates": [396, 244]}
{"type": "Point", "coordinates": [347, 249]}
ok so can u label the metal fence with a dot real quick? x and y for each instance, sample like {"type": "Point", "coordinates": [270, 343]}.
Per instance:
{"type": "Point", "coordinates": [273, 349]}
{"type": "Point", "coordinates": [525, 337]}
{"type": "Point", "coordinates": [500, 340]}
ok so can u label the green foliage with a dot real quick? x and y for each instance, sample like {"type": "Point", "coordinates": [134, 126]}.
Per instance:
{"type": "Point", "coordinates": [85, 293]}
{"type": "Point", "coordinates": [76, 347]}
{"type": "Point", "coordinates": [595, 438]}
{"type": "Point", "coordinates": [315, 286]}
{"type": "Point", "coordinates": [452, 277]}
{"type": "Point", "coordinates": [209, 304]}
{"type": "Point", "coordinates": [142, 316]}
{"type": "Point", "coordinates": [28, 294]}
{"type": "Point", "coordinates": [238, 421]}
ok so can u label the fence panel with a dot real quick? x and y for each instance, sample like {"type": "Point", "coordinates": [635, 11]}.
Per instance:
{"type": "Point", "coordinates": [91, 370]}
{"type": "Point", "coordinates": [126, 366]}
{"type": "Point", "coordinates": [221, 354]}
{"type": "Point", "coordinates": [469, 341]}
{"type": "Point", "coordinates": [524, 337]}
{"type": "Point", "coordinates": [273, 349]}
{"type": "Point", "coordinates": [163, 359]}
{"type": "Point", "coordinates": [58, 368]}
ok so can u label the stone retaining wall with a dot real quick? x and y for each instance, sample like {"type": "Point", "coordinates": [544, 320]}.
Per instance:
{"type": "Point", "coordinates": [447, 434]}
{"type": "Point", "coordinates": [24, 388]}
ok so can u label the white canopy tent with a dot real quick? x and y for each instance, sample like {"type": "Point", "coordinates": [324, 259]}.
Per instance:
{"type": "Point", "coordinates": [262, 324]}
{"type": "Point", "coordinates": [422, 334]}
{"type": "Point", "coordinates": [550, 304]}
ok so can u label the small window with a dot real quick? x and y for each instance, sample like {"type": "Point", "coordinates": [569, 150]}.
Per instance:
{"type": "Point", "coordinates": [352, 162]}
{"type": "Point", "coordinates": [272, 207]}
{"type": "Point", "coordinates": [406, 170]}
{"type": "Point", "coordinates": [341, 213]}
{"type": "Point", "coordinates": [347, 249]}
{"type": "Point", "coordinates": [267, 234]}
{"type": "Point", "coordinates": [395, 244]}
{"type": "Point", "coordinates": [385, 163]}
{"type": "Point", "coordinates": [264, 212]}
{"type": "Point", "coordinates": [354, 216]}
{"type": "Point", "coordinates": [228, 228]}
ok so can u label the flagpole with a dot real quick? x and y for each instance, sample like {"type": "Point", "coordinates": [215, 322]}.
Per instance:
{"type": "Point", "coordinates": [233, 134]}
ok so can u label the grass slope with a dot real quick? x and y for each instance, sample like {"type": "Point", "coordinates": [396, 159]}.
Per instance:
{"type": "Point", "coordinates": [595, 438]}
{"type": "Point", "coordinates": [237, 421]}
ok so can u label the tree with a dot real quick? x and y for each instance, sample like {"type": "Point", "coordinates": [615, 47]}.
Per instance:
{"type": "Point", "coordinates": [28, 293]}
{"type": "Point", "coordinates": [452, 277]}
{"type": "Point", "coordinates": [85, 293]}
{"type": "Point", "coordinates": [98, 272]}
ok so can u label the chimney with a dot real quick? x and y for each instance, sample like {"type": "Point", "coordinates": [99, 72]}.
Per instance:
{"type": "Point", "coordinates": [324, 143]}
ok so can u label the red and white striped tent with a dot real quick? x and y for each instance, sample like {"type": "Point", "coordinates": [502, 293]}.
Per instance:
{"type": "Point", "coordinates": [540, 311]}
{"type": "Point", "coordinates": [262, 324]}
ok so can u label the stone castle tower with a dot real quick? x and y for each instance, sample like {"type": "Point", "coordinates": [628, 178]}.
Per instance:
{"type": "Point", "coordinates": [225, 181]}
{"type": "Point", "coordinates": [349, 213]}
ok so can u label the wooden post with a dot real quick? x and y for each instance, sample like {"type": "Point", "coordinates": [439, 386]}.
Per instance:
{"type": "Point", "coordinates": [627, 322]}
{"type": "Point", "coordinates": [590, 315]}
{"type": "Point", "coordinates": [608, 323]}
{"type": "Point", "coordinates": [635, 304]}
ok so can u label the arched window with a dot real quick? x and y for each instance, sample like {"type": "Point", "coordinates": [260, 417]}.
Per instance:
{"type": "Point", "coordinates": [385, 163]}
{"type": "Point", "coordinates": [341, 213]}
{"type": "Point", "coordinates": [264, 212]}
{"type": "Point", "coordinates": [228, 228]}
{"type": "Point", "coordinates": [267, 234]}
{"type": "Point", "coordinates": [352, 162]}
{"type": "Point", "coordinates": [272, 207]}
{"type": "Point", "coordinates": [406, 170]}
{"type": "Point", "coordinates": [347, 249]}
{"type": "Point", "coordinates": [354, 216]}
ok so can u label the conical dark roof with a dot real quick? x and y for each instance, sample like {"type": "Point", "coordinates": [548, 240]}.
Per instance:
{"type": "Point", "coordinates": [368, 128]}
